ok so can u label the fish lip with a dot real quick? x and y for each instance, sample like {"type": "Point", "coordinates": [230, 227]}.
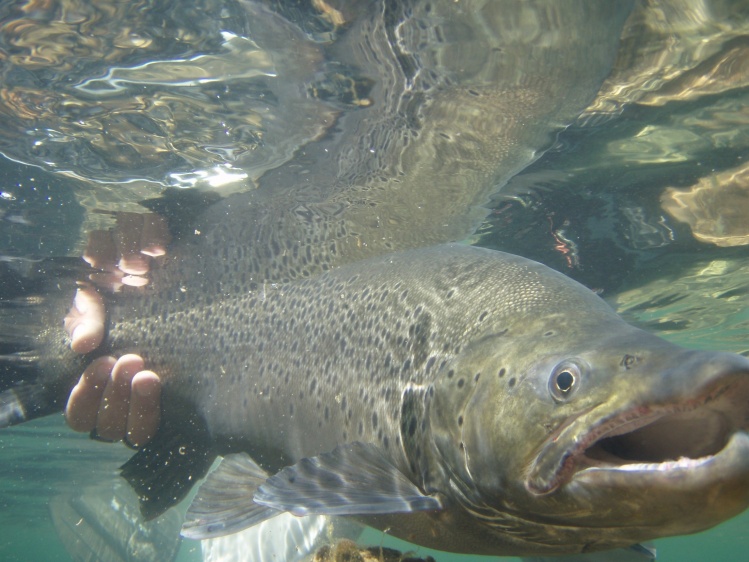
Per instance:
{"type": "Point", "coordinates": [574, 462]}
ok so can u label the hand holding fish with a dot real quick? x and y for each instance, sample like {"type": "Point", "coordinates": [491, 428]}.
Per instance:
{"type": "Point", "coordinates": [115, 399]}
{"type": "Point", "coordinates": [123, 255]}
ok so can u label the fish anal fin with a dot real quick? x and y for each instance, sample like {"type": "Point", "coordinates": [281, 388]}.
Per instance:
{"type": "Point", "coordinates": [353, 479]}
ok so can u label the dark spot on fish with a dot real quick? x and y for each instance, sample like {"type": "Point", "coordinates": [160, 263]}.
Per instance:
{"type": "Point", "coordinates": [628, 361]}
{"type": "Point", "coordinates": [327, 413]}
{"type": "Point", "coordinates": [412, 427]}
{"type": "Point", "coordinates": [483, 315]}
{"type": "Point", "coordinates": [548, 334]}
{"type": "Point", "coordinates": [476, 377]}
{"type": "Point", "coordinates": [361, 428]}
{"type": "Point", "coordinates": [450, 373]}
{"type": "Point", "coordinates": [511, 382]}
{"type": "Point", "coordinates": [461, 382]}
{"type": "Point", "coordinates": [374, 420]}
{"type": "Point", "coordinates": [461, 445]}
{"type": "Point", "coordinates": [502, 372]}
{"type": "Point", "coordinates": [460, 420]}
{"type": "Point", "coordinates": [343, 404]}
{"type": "Point", "coordinates": [386, 441]}
{"type": "Point", "coordinates": [450, 294]}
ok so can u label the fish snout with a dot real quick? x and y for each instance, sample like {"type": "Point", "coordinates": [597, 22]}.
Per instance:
{"type": "Point", "coordinates": [694, 414]}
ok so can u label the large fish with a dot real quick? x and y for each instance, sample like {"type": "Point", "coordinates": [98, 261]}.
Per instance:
{"type": "Point", "coordinates": [346, 362]}
{"type": "Point", "coordinates": [466, 399]}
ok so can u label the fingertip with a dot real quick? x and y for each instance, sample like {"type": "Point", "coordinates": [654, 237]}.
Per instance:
{"type": "Point", "coordinates": [145, 408]}
{"type": "Point", "coordinates": [84, 322]}
{"type": "Point", "coordinates": [147, 384]}
{"type": "Point", "coordinates": [135, 281]}
{"type": "Point", "coordinates": [133, 264]}
{"type": "Point", "coordinates": [126, 367]}
{"type": "Point", "coordinates": [86, 337]}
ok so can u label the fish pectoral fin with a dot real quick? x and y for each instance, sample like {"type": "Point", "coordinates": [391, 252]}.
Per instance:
{"type": "Point", "coordinates": [353, 479]}
{"type": "Point", "coordinates": [224, 503]}
{"type": "Point", "coordinates": [164, 471]}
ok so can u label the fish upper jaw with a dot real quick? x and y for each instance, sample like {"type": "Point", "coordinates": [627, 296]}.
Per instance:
{"type": "Point", "coordinates": [692, 440]}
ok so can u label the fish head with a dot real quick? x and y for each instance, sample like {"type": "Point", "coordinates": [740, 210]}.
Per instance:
{"type": "Point", "coordinates": [593, 434]}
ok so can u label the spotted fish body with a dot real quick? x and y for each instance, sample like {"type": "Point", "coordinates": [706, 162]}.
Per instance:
{"type": "Point", "coordinates": [469, 371]}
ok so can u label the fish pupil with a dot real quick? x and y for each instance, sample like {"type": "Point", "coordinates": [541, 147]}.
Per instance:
{"type": "Point", "coordinates": [565, 381]}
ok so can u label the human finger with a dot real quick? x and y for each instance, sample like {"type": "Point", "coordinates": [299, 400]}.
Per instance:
{"type": "Point", "coordinates": [85, 399]}
{"type": "Point", "coordinates": [144, 415]}
{"type": "Point", "coordinates": [111, 423]}
{"type": "Point", "coordinates": [84, 322]}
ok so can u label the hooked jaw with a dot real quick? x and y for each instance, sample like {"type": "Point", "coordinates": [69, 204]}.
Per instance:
{"type": "Point", "coordinates": [684, 445]}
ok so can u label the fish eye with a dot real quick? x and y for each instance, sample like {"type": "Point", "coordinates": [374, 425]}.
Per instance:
{"type": "Point", "coordinates": [565, 378]}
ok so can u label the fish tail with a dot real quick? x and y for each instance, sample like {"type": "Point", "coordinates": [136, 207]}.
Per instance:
{"type": "Point", "coordinates": [37, 366]}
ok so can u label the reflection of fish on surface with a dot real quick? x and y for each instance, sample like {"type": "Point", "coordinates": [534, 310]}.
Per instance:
{"type": "Point", "coordinates": [465, 399]}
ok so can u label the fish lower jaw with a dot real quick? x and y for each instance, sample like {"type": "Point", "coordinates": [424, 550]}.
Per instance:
{"type": "Point", "coordinates": [683, 441]}
{"type": "Point", "coordinates": [728, 464]}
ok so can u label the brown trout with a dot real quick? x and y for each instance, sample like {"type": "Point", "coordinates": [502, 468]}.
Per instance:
{"type": "Point", "coordinates": [466, 399]}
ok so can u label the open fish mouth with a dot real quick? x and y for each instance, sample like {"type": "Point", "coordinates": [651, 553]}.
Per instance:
{"type": "Point", "coordinates": [705, 435]}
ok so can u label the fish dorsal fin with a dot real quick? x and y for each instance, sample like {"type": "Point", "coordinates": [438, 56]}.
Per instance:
{"type": "Point", "coordinates": [353, 479]}
{"type": "Point", "coordinates": [164, 471]}
{"type": "Point", "coordinates": [224, 504]}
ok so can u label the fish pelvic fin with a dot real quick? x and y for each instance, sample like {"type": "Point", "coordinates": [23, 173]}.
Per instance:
{"type": "Point", "coordinates": [353, 479]}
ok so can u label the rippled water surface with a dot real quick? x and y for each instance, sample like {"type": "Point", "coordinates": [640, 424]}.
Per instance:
{"type": "Point", "coordinates": [640, 191]}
